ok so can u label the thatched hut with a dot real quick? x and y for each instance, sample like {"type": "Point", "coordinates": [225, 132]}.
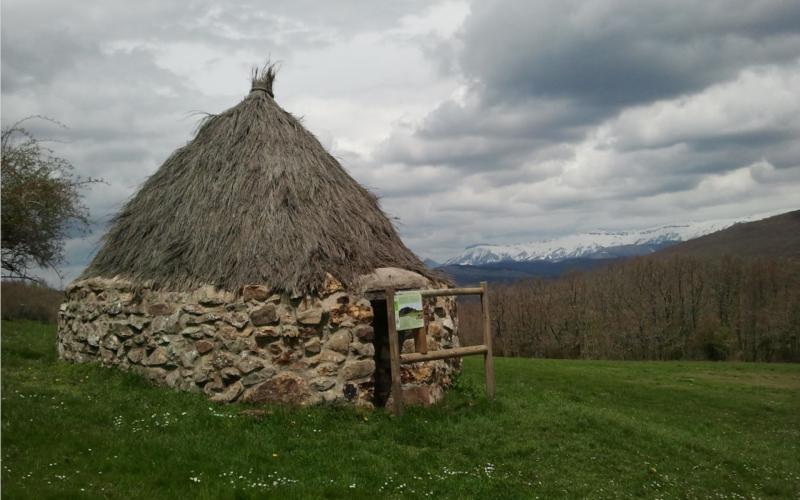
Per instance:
{"type": "Point", "coordinates": [250, 267]}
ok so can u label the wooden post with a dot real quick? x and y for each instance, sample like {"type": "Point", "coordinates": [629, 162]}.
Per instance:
{"type": "Point", "coordinates": [394, 354]}
{"type": "Point", "coordinates": [488, 363]}
{"type": "Point", "coordinates": [421, 340]}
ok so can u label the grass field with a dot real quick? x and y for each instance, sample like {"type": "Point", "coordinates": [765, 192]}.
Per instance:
{"type": "Point", "coordinates": [558, 429]}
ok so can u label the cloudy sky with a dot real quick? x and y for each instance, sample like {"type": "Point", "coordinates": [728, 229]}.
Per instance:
{"type": "Point", "coordinates": [500, 121]}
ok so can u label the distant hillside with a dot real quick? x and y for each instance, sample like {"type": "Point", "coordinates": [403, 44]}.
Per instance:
{"type": "Point", "coordinates": [508, 271]}
{"type": "Point", "coordinates": [777, 236]}
{"type": "Point", "coordinates": [430, 263]}
{"type": "Point", "coordinates": [596, 244]}
{"type": "Point", "coordinates": [25, 300]}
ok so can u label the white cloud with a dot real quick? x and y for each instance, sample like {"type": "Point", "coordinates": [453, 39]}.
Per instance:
{"type": "Point", "coordinates": [758, 101]}
{"type": "Point", "coordinates": [487, 122]}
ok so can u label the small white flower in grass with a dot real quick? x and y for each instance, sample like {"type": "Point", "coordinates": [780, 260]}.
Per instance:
{"type": "Point", "coordinates": [194, 479]}
{"type": "Point", "coordinates": [353, 485]}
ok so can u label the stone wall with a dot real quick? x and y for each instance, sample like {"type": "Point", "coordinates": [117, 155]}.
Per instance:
{"type": "Point", "coordinates": [256, 346]}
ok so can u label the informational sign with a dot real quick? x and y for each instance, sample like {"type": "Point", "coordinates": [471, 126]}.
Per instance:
{"type": "Point", "coordinates": [408, 311]}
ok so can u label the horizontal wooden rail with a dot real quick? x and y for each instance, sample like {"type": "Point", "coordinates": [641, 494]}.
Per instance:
{"type": "Point", "coordinates": [451, 291]}
{"type": "Point", "coordinates": [416, 357]}
{"type": "Point", "coordinates": [396, 358]}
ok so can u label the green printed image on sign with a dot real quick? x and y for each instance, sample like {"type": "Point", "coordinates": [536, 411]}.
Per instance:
{"type": "Point", "coordinates": [408, 311]}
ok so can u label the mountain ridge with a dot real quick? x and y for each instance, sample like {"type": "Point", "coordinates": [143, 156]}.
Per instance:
{"type": "Point", "coordinates": [776, 236]}
{"type": "Point", "coordinates": [595, 244]}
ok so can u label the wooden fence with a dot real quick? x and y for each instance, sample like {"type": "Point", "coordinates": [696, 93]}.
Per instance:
{"type": "Point", "coordinates": [421, 343]}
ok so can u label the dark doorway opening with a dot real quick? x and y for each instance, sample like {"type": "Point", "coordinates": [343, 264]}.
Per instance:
{"type": "Point", "coordinates": [383, 367]}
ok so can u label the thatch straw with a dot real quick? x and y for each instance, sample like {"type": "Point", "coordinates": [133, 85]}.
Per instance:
{"type": "Point", "coordinates": [253, 198]}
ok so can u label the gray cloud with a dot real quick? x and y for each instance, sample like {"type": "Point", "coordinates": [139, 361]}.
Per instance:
{"type": "Point", "coordinates": [544, 72]}
{"type": "Point", "coordinates": [621, 52]}
{"type": "Point", "coordinates": [127, 78]}
{"type": "Point", "coordinates": [526, 120]}
{"type": "Point", "coordinates": [576, 110]}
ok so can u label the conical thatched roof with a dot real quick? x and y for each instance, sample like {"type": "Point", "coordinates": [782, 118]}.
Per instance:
{"type": "Point", "coordinates": [253, 198]}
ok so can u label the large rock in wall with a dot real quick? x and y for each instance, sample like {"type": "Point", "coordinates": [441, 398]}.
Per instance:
{"type": "Point", "coordinates": [256, 346]}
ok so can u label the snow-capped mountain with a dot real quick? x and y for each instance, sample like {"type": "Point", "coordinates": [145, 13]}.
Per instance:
{"type": "Point", "coordinates": [594, 245]}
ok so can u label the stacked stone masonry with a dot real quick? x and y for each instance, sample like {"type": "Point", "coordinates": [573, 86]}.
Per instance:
{"type": "Point", "coordinates": [255, 346]}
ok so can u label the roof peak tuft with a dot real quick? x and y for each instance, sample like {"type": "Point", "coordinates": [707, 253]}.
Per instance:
{"type": "Point", "coordinates": [263, 78]}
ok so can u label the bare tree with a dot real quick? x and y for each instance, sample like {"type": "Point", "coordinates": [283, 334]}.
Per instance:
{"type": "Point", "coordinates": [41, 202]}
{"type": "Point", "coordinates": [655, 308]}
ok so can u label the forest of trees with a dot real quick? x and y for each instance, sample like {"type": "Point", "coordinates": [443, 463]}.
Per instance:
{"type": "Point", "coordinates": [650, 309]}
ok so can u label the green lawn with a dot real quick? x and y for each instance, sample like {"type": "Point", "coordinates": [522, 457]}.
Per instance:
{"type": "Point", "coordinates": [557, 429]}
